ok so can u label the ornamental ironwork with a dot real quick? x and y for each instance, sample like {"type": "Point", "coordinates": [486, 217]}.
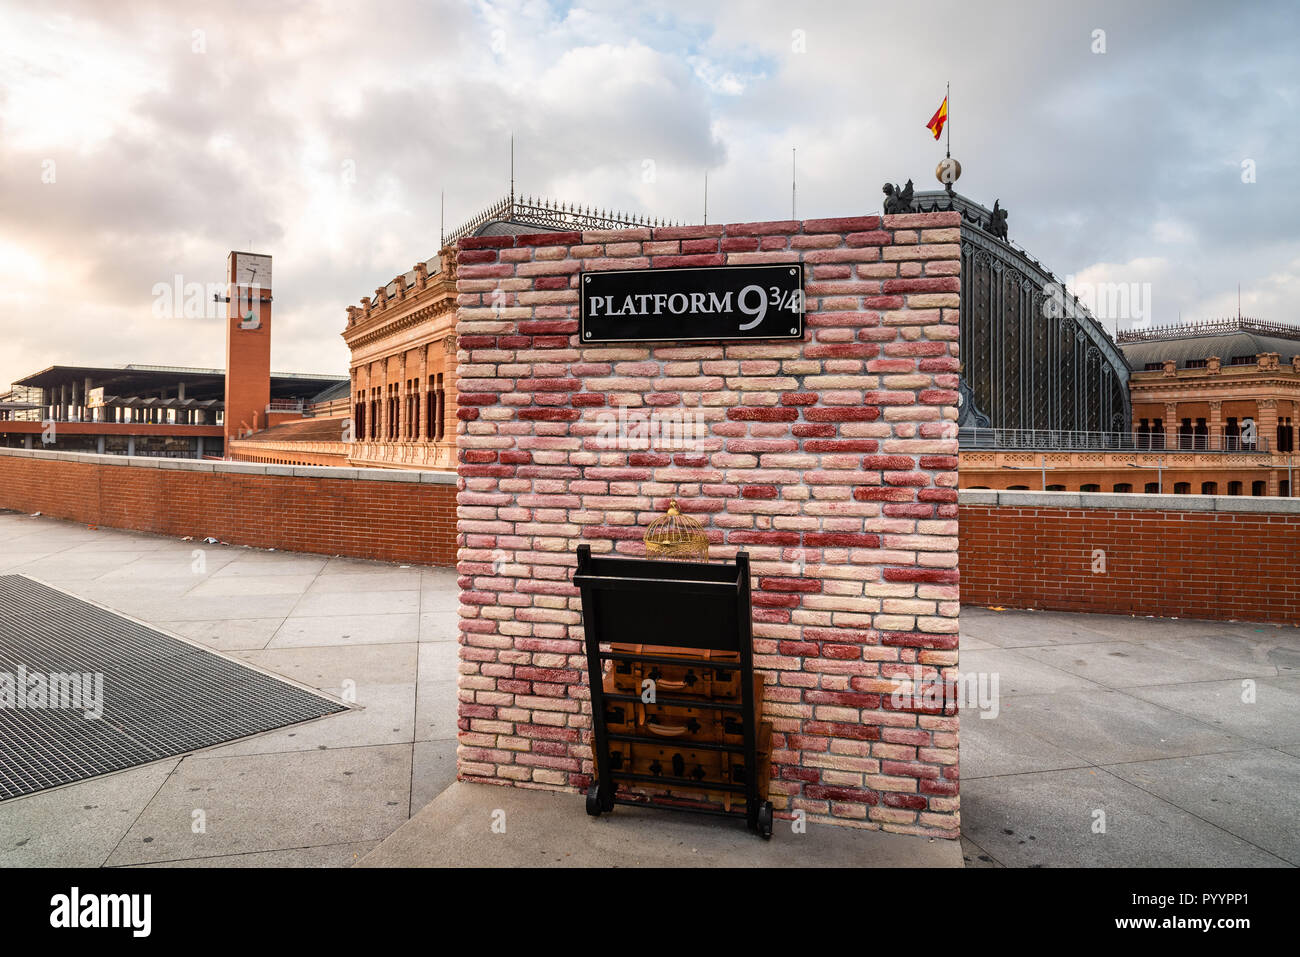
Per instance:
{"type": "Point", "coordinates": [550, 214]}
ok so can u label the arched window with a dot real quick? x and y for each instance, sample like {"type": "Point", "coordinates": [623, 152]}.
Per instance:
{"type": "Point", "coordinates": [1209, 488]}
{"type": "Point", "coordinates": [1182, 488]}
{"type": "Point", "coordinates": [1123, 487]}
{"type": "Point", "coordinates": [1090, 487]}
{"type": "Point", "coordinates": [1234, 488]}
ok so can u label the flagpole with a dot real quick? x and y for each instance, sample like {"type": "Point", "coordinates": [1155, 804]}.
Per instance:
{"type": "Point", "coordinates": [947, 98]}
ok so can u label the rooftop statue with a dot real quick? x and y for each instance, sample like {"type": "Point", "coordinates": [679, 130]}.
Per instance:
{"type": "Point", "coordinates": [897, 200]}
{"type": "Point", "coordinates": [998, 221]}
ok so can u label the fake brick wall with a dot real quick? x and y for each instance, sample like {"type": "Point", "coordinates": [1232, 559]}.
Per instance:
{"type": "Point", "coordinates": [832, 461]}
{"type": "Point", "coordinates": [393, 521]}
{"type": "Point", "coordinates": [1167, 563]}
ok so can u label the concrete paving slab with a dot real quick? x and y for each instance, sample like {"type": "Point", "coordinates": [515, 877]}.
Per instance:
{"type": "Point", "coordinates": [301, 632]}
{"type": "Point", "coordinates": [435, 710]}
{"type": "Point", "coordinates": [245, 585]}
{"type": "Point", "coordinates": [233, 635]}
{"type": "Point", "coordinates": [439, 661]}
{"type": "Point", "coordinates": [326, 604]}
{"type": "Point", "coordinates": [972, 855]}
{"type": "Point", "coordinates": [210, 608]}
{"type": "Point", "coordinates": [990, 746]}
{"type": "Point", "coordinates": [433, 770]}
{"type": "Point", "coordinates": [1128, 664]}
{"type": "Point", "coordinates": [340, 565]}
{"type": "Point", "coordinates": [386, 578]}
{"type": "Point", "coordinates": [287, 563]}
{"type": "Point", "coordinates": [78, 825]}
{"type": "Point", "coordinates": [552, 829]}
{"type": "Point", "coordinates": [1022, 629]}
{"type": "Point", "coordinates": [380, 681]}
{"type": "Point", "coordinates": [1020, 673]}
{"type": "Point", "coordinates": [1261, 656]}
{"type": "Point", "coordinates": [440, 626]}
{"type": "Point", "coordinates": [1260, 710]}
{"type": "Point", "coordinates": [439, 599]}
{"type": "Point", "coordinates": [329, 855]}
{"type": "Point", "coordinates": [271, 802]}
{"type": "Point", "coordinates": [1047, 819]}
{"type": "Point", "coordinates": [1251, 794]}
{"type": "Point", "coordinates": [1110, 726]}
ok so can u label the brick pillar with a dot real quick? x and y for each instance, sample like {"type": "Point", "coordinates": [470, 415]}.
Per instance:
{"type": "Point", "coordinates": [1171, 425]}
{"type": "Point", "coordinates": [836, 471]}
{"type": "Point", "coordinates": [1216, 426]}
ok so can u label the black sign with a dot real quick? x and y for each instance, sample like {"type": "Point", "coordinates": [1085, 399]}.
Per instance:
{"type": "Point", "coordinates": [690, 303]}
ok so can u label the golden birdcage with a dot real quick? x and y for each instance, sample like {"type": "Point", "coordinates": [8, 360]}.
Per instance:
{"type": "Point", "coordinates": [675, 535]}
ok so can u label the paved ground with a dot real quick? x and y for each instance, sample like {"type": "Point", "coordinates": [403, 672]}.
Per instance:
{"type": "Point", "coordinates": [1137, 724]}
{"type": "Point", "coordinates": [488, 826]}
{"type": "Point", "coordinates": [1180, 738]}
{"type": "Point", "coordinates": [322, 793]}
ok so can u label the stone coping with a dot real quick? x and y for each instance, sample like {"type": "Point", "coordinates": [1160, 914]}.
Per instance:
{"type": "Point", "coordinates": [422, 477]}
{"type": "Point", "coordinates": [1130, 501]}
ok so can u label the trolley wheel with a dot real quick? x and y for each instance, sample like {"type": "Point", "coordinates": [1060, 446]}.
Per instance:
{"type": "Point", "coordinates": [593, 800]}
{"type": "Point", "coordinates": [765, 820]}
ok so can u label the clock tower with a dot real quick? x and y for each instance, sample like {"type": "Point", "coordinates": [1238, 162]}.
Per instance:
{"type": "Point", "coordinates": [248, 343]}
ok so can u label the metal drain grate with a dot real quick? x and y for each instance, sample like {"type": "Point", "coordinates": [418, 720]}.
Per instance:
{"type": "Point", "coordinates": [161, 697]}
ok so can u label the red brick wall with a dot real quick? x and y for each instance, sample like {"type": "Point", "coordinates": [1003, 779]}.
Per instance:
{"type": "Point", "coordinates": [832, 461]}
{"type": "Point", "coordinates": [1169, 563]}
{"type": "Point", "coordinates": [394, 521]}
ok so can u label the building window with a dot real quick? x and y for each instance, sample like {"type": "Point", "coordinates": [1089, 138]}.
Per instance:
{"type": "Point", "coordinates": [412, 430]}
{"type": "Point", "coordinates": [1284, 488]}
{"type": "Point", "coordinates": [437, 408]}
{"type": "Point", "coordinates": [1234, 488]}
{"type": "Point", "coordinates": [1242, 361]}
{"type": "Point", "coordinates": [359, 414]}
{"type": "Point", "coordinates": [1209, 488]}
{"type": "Point", "coordinates": [1285, 437]}
{"type": "Point", "coordinates": [1090, 487]}
{"type": "Point", "coordinates": [1153, 366]}
{"type": "Point", "coordinates": [1152, 488]}
{"type": "Point", "coordinates": [1056, 488]}
{"type": "Point", "coordinates": [1182, 488]}
{"type": "Point", "coordinates": [1017, 488]}
{"type": "Point", "coordinates": [1196, 363]}
{"type": "Point", "coordinates": [1258, 488]}
{"type": "Point", "coordinates": [1123, 487]}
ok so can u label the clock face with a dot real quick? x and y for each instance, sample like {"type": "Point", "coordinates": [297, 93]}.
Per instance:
{"type": "Point", "coordinates": [251, 269]}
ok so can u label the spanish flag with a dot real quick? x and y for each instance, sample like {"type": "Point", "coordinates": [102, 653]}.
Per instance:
{"type": "Point", "coordinates": [940, 117]}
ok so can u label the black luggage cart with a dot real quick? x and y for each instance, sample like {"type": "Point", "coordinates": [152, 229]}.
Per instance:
{"type": "Point", "coordinates": [690, 605]}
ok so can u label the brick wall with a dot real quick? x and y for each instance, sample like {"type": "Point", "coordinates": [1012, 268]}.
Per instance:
{"type": "Point", "coordinates": [832, 461]}
{"type": "Point", "coordinates": [363, 513]}
{"type": "Point", "coordinates": [1183, 556]}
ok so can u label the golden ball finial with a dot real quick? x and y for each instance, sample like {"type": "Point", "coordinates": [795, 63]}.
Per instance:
{"type": "Point", "coordinates": [948, 171]}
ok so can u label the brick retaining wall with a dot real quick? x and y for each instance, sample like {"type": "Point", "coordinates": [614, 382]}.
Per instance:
{"type": "Point", "coordinates": [363, 513]}
{"type": "Point", "coordinates": [831, 460]}
{"type": "Point", "coordinates": [1172, 556]}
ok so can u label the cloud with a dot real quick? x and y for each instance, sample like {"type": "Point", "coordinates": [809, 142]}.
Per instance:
{"type": "Point", "coordinates": [326, 135]}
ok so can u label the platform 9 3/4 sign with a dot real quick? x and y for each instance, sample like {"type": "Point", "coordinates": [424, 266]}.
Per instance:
{"type": "Point", "coordinates": [688, 304]}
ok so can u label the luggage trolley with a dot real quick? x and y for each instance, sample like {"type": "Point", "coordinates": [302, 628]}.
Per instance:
{"type": "Point", "coordinates": [694, 606]}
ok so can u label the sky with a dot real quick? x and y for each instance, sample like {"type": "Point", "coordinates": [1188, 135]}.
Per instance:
{"type": "Point", "coordinates": [1132, 142]}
